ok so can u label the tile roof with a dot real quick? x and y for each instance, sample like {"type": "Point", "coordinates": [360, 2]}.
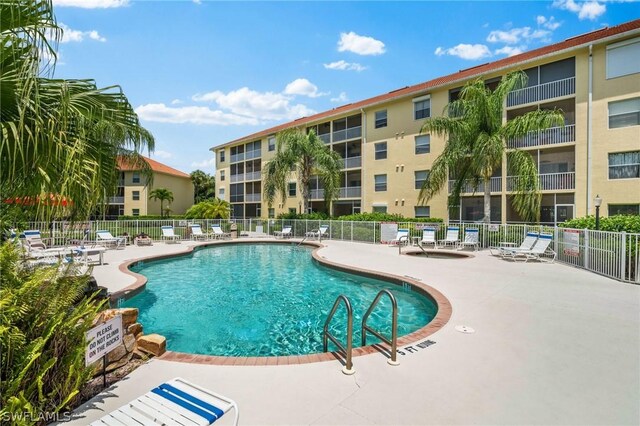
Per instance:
{"type": "Point", "coordinates": [570, 43]}
{"type": "Point", "coordinates": [155, 166]}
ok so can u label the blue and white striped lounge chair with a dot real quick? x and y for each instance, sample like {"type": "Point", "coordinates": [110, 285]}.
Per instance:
{"type": "Point", "coordinates": [471, 238]}
{"type": "Point", "coordinates": [528, 242]}
{"type": "Point", "coordinates": [33, 239]}
{"type": "Point", "coordinates": [539, 251]}
{"type": "Point", "coordinates": [168, 235]}
{"type": "Point", "coordinates": [428, 237]}
{"type": "Point", "coordinates": [452, 237]}
{"type": "Point", "coordinates": [219, 233]}
{"type": "Point", "coordinates": [196, 232]}
{"type": "Point", "coordinates": [402, 237]}
{"type": "Point", "coordinates": [176, 402]}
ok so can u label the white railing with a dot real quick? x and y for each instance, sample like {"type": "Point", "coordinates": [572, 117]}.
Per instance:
{"type": "Point", "coordinates": [120, 182]}
{"type": "Point", "coordinates": [252, 197]}
{"type": "Point", "coordinates": [351, 192]}
{"type": "Point", "coordinates": [613, 254]}
{"type": "Point", "coordinates": [316, 194]}
{"type": "Point", "coordinates": [236, 157]}
{"type": "Point", "coordinates": [349, 133]}
{"type": "Point", "coordinates": [326, 138]}
{"type": "Point", "coordinates": [237, 178]}
{"type": "Point", "coordinates": [351, 162]}
{"type": "Point", "coordinates": [252, 175]}
{"type": "Point", "coordinates": [252, 154]}
{"type": "Point", "coordinates": [549, 181]}
{"type": "Point", "coordinates": [553, 89]}
{"type": "Point", "coordinates": [115, 200]}
{"type": "Point", "coordinates": [495, 185]}
{"type": "Point", "coordinates": [552, 136]}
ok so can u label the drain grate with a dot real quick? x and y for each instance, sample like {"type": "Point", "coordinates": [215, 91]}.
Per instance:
{"type": "Point", "coordinates": [465, 329]}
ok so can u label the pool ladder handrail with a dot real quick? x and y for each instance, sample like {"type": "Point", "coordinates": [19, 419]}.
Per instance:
{"type": "Point", "coordinates": [326, 335]}
{"type": "Point", "coordinates": [400, 240]}
{"type": "Point", "coordinates": [394, 326]}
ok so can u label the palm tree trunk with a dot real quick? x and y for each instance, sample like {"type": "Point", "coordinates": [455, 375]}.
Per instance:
{"type": "Point", "coordinates": [161, 209]}
{"type": "Point", "coordinates": [487, 200]}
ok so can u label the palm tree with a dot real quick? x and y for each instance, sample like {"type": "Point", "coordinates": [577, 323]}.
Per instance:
{"type": "Point", "coordinates": [306, 155]}
{"type": "Point", "coordinates": [58, 137]}
{"type": "Point", "coordinates": [162, 194]}
{"type": "Point", "coordinates": [204, 186]}
{"type": "Point", "coordinates": [477, 145]}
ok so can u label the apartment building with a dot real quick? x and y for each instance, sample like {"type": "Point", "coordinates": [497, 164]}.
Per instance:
{"type": "Point", "coordinates": [593, 78]}
{"type": "Point", "coordinates": [132, 195]}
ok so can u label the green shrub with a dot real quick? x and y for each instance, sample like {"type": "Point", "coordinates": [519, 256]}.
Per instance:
{"type": "Point", "coordinates": [308, 216]}
{"type": "Point", "coordinates": [151, 217]}
{"type": "Point", "coordinates": [617, 223]}
{"type": "Point", "coordinates": [385, 217]}
{"type": "Point", "coordinates": [44, 317]}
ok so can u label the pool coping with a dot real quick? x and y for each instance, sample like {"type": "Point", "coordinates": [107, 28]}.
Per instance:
{"type": "Point", "coordinates": [444, 312]}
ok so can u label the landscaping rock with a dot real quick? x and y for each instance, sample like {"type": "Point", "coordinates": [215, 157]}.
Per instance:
{"type": "Point", "coordinates": [115, 365]}
{"type": "Point", "coordinates": [153, 344]}
{"type": "Point", "coordinates": [134, 329]}
{"type": "Point", "coordinates": [138, 354]}
{"type": "Point", "coordinates": [116, 354]}
{"type": "Point", "coordinates": [129, 342]}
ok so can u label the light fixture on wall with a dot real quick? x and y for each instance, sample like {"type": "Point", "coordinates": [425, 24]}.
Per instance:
{"type": "Point", "coordinates": [396, 201]}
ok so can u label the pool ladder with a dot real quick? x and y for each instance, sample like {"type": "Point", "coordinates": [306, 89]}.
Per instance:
{"type": "Point", "coordinates": [348, 350]}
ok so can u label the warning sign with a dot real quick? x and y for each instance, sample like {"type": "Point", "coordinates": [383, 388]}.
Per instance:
{"type": "Point", "coordinates": [571, 240]}
{"type": "Point", "coordinates": [103, 339]}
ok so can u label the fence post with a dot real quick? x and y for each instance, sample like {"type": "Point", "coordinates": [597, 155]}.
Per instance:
{"type": "Point", "coordinates": [374, 232]}
{"type": "Point", "coordinates": [351, 231]}
{"type": "Point", "coordinates": [586, 248]}
{"type": "Point", "coordinates": [623, 254]}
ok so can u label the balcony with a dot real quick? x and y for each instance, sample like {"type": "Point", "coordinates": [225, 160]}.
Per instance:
{"type": "Point", "coordinates": [349, 133]}
{"type": "Point", "coordinates": [115, 200]}
{"type": "Point", "coordinates": [316, 194]}
{"type": "Point", "coordinates": [551, 136]}
{"type": "Point", "coordinates": [237, 178]}
{"type": "Point", "coordinates": [120, 182]}
{"type": "Point", "coordinates": [495, 185]}
{"type": "Point", "coordinates": [252, 197]}
{"type": "Point", "coordinates": [252, 175]}
{"type": "Point", "coordinates": [351, 192]}
{"type": "Point", "coordinates": [326, 138]}
{"type": "Point", "coordinates": [351, 162]}
{"type": "Point", "coordinates": [237, 157]}
{"type": "Point", "coordinates": [541, 92]}
{"type": "Point", "coordinates": [252, 154]}
{"type": "Point", "coordinates": [549, 181]}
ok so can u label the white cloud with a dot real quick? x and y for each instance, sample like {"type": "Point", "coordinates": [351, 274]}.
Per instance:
{"type": "Point", "coordinates": [586, 10]}
{"type": "Point", "coordinates": [91, 4]}
{"type": "Point", "coordinates": [197, 1]}
{"type": "Point", "coordinates": [466, 51]}
{"type": "Point", "coordinates": [162, 154]}
{"type": "Point", "coordinates": [510, 50]}
{"type": "Point", "coordinates": [176, 102]}
{"type": "Point", "coordinates": [362, 45]}
{"type": "Point", "coordinates": [303, 87]}
{"type": "Point", "coordinates": [191, 114]}
{"type": "Point", "coordinates": [342, 97]}
{"type": "Point", "coordinates": [70, 35]}
{"type": "Point", "coordinates": [345, 66]}
{"type": "Point", "coordinates": [204, 164]}
{"type": "Point", "coordinates": [516, 35]}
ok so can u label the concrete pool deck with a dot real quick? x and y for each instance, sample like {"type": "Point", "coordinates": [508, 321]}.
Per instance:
{"type": "Point", "coordinates": [552, 345]}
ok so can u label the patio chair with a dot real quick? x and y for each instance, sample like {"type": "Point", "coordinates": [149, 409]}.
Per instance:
{"type": "Point", "coordinates": [176, 402]}
{"type": "Point", "coordinates": [471, 239]}
{"type": "Point", "coordinates": [168, 235]}
{"type": "Point", "coordinates": [428, 237]}
{"type": "Point", "coordinates": [196, 232]}
{"type": "Point", "coordinates": [33, 239]}
{"type": "Point", "coordinates": [219, 233]}
{"type": "Point", "coordinates": [105, 237]}
{"type": "Point", "coordinates": [452, 237]}
{"type": "Point", "coordinates": [285, 233]}
{"type": "Point", "coordinates": [317, 233]}
{"type": "Point", "coordinates": [528, 242]}
{"type": "Point", "coordinates": [402, 237]}
{"type": "Point", "coordinates": [537, 252]}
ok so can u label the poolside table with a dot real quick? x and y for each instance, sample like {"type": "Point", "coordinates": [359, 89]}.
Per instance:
{"type": "Point", "coordinates": [91, 251]}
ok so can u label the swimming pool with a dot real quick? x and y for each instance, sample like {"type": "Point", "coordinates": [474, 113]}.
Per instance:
{"type": "Point", "coordinates": [261, 300]}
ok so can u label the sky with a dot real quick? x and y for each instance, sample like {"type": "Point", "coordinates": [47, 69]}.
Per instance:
{"type": "Point", "coordinates": [202, 73]}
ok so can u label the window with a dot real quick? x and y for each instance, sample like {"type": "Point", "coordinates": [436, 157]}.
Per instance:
{"type": "Point", "coordinates": [292, 210]}
{"type": "Point", "coordinates": [423, 144]}
{"type": "Point", "coordinates": [421, 176]}
{"type": "Point", "coordinates": [624, 209]}
{"type": "Point", "coordinates": [136, 177]}
{"type": "Point", "coordinates": [380, 183]}
{"type": "Point", "coordinates": [624, 165]}
{"type": "Point", "coordinates": [381, 150]}
{"type": "Point", "coordinates": [292, 189]}
{"type": "Point", "coordinates": [271, 143]}
{"type": "Point", "coordinates": [623, 58]}
{"type": "Point", "coordinates": [381, 119]}
{"type": "Point", "coordinates": [135, 195]}
{"type": "Point", "coordinates": [624, 113]}
{"type": "Point", "coordinates": [221, 193]}
{"type": "Point", "coordinates": [422, 211]}
{"type": "Point", "coordinates": [379, 209]}
{"type": "Point", "coordinates": [237, 193]}
{"type": "Point", "coordinates": [421, 108]}
{"type": "Point", "coordinates": [135, 212]}
{"type": "Point", "coordinates": [221, 155]}
{"type": "Point", "coordinates": [221, 175]}
{"type": "Point", "coordinates": [272, 212]}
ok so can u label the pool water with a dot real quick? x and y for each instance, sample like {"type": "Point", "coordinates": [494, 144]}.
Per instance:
{"type": "Point", "coordinates": [262, 300]}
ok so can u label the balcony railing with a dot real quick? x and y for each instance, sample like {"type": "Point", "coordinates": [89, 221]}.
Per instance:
{"type": "Point", "coordinates": [549, 181]}
{"type": "Point", "coordinates": [351, 162]}
{"type": "Point", "coordinates": [252, 197]}
{"type": "Point", "coordinates": [252, 154]}
{"type": "Point", "coordinates": [552, 136]}
{"type": "Point", "coordinates": [237, 178]}
{"type": "Point", "coordinates": [120, 182]}
{"type": "Point", "coordinates": [252, 175]}
{"type": "Point", "coordinates": [346, 192]}
{"type": "Point", "coordinates": [237, 157]}
{"type": "Point", "coordinates": [495, 185]}
{"type": "Point", "coordinates": [115, 200]}
{"type": "Point", "coordinates": [316, 194]}
{"type": "Point", "coordinates": [326, 138]}
{"type": "Point", "coordinates": [553, 89]}
{"type": "Point", "coordinates": [349, 133]}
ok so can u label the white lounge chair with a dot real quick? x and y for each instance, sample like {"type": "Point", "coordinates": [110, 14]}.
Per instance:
{"type": "Point", "coordinates": [196, 232]}
{"type": "Point", "coordinates": [285, 233]}
{"type": "Point", "coordinates": [33, 239]}
{"type": "Point", "coordinates": [219, 233]}
{"type": "Point", "coordinates": [402, 237]}
{"type": "Point", "coordinates": [539, 250]}
{"type": "Point", "coordinates": [105, 237]}
{"type": "Point", "coordinates": [452, 237]}
{"type": "Point", "coordinates": [168, 235]}
{"type": "Point", "coordinates": [528, 242]}
{"type": "Point", "coordinates": [177, 402]}
{"type": "Point", "coordinates": [428, 237]}
{"type": "Point", "coordinates": [471, 239]}
{"type": "Point", "coordinates": [317, 233]}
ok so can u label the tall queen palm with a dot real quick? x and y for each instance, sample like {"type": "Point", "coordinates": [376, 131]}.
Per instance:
{"type": "Point", "coordinates": [476, 146]}
{"type": "Point", "coordinates": [161, 194]}
{"type": "Point", "coordinates": [306, 155]}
